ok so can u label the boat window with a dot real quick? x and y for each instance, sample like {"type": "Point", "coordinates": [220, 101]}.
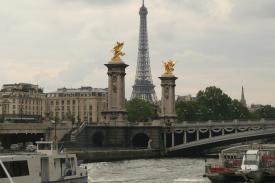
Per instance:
{"type": "Point", "coordinates": [68, 167]}
{"type": "Point", "coordinates": [44, 146]}
{"type": "Point", "coordinates": [15, 169]}
{"type": "Point", "coordinates": [2, 173]}
{"type": "Point", "coordinates": [250, 159]}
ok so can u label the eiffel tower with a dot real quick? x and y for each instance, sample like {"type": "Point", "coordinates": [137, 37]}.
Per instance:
{"type": "Point", "coordinates": [143, 87]}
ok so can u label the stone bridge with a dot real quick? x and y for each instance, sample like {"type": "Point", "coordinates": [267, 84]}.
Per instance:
{"type": "Point", "coordinates": [194, 135]}
{"type": "Point", "coordinates": [176, 138]}
{"type": "Point", "coordinates": [23, 132]}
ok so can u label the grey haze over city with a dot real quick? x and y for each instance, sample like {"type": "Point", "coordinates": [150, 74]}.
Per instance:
{"type": "Point", "coordinates": [65, 43]}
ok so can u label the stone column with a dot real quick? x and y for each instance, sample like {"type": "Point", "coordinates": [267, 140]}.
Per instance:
{"type": "Point", "coordinates": [164, 139]}
{"type": "Point", "coordinates": [168, 109]}
{"type": "Point", "coordinates": [116, 112]}
{"type": "Point", "coordinates": [173, 139]}
{"type": "Point", "coordinates": [185, 137]}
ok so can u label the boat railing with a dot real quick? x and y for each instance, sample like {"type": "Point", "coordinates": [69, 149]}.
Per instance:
{"type": "Point", "coordinates": [6, 171]}
{"type": "Point", "coordinates": [61, 148]}
{"type": "Point", "coordinates": [46, 147]}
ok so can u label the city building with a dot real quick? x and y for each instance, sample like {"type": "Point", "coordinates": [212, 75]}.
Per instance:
{"type": "Point", "coordinates": [185, 98]}
{"type": "Point", "coordinates": [79, 105]}
{"type": "Point", "coordinates": [143, 87]}
{"type": "Point", "coordinates": [255, 107]}
{"type": "Point", "coordinates": [22, 102]}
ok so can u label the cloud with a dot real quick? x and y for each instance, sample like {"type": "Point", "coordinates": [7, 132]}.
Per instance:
{"type": "Point", "coordinates": [58, 43]}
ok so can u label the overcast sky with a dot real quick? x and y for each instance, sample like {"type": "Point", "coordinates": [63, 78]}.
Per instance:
{"type": "Point", "coordinates": [57, 43]}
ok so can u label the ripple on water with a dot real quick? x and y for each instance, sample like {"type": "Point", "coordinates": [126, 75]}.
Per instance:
{"type": "Point", "coordinates": [148, 171]}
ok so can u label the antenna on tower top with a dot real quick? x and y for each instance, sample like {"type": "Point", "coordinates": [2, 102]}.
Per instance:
{"type": "Point", "coordinates": [142, 2]}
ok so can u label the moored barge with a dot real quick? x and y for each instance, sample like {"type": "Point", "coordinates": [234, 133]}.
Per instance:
{"type": "Point", "coordinates": [47, 165]}
{"type": "Point", "coordinates": [246, 163]}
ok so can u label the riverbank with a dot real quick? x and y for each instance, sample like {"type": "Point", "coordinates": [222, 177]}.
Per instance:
{"type": "Point", "coordinates": [91, 155]}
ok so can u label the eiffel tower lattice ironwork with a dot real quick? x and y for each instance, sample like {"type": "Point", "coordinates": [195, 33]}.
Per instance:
{"type": "Point", "coordinates": [143, 87]}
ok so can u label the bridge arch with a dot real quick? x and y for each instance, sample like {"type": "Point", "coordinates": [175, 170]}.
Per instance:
{"type": "Point", "coordinates": [140, 140]}
{"type": "Point", "coordinates": [98, 139]}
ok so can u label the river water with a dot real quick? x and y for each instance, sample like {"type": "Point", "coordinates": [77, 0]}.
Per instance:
{"type": "Point", "coordinates": [168, 170]}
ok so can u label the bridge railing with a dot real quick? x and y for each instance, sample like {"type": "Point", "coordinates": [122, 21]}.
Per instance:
{"type": "Point", "coordinates": [224, 123]}
{"type": "Point", "coordinates": [187, 124]}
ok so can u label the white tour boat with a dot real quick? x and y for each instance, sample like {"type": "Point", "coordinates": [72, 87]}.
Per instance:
{"type": "Point", "coordinates": [47, 165]}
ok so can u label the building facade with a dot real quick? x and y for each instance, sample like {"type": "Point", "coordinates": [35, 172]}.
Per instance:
{"type": "Point", "coordinates": [186, 98]}
{"type": "Point", "coordinates": [22, 102]}
{"type": "Point", "coordinates": [79, 105]}
{"type": "Point", "coordinates": [255, 107]}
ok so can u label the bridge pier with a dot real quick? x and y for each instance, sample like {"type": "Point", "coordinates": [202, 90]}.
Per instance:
{"type": "Point", "coordinates": [168, 108]}
{"type": "Point", "coordinates": [173, 139]}
{"type": "Point", "coordinates": [164, 140]}
{"type": "Point", "coordinates": [184, 137]}
{"type": "Point", "coordinates": [116, 113]}
{"type": "Point", "coordinates": [210, 133]}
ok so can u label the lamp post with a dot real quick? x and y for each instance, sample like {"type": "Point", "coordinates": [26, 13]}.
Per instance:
{"type": "Point", "coordinates": [21, 106]}
{"type": "Point", "coordinates": [55, 137]}
{"type": "Point", "coordinates": [78, 110]}
{"type": "Point", "coordinates": [210, 114]}
{"type": "Point", "coordinates": [55, 123]}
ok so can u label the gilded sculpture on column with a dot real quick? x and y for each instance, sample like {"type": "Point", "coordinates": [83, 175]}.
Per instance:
{"type": "Point", "coordinates": [118, 52]}
{"type": "Point", "coordinates": [169, 67]}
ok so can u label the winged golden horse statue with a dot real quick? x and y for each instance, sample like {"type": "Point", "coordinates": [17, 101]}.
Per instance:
{"type": "Point", "coordinates": [169, 67]}
{"type": "Point", "coordinates": [117, 52]}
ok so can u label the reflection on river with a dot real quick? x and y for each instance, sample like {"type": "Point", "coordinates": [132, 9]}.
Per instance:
{"type": "Point", "coordinates": [150, 170]}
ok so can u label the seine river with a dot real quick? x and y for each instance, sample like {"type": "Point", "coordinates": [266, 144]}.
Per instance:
{"type": "Point", "coordinates": [149, 170]}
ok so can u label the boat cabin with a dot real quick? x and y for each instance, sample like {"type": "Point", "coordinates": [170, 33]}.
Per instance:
{"type": "Point", "coordinates": [47, 165]}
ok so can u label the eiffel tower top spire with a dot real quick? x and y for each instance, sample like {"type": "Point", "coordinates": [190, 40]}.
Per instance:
{"type": "Point", "coordinates": [143, 10]}
{"type": "Point", "coordinates": [143, 87]}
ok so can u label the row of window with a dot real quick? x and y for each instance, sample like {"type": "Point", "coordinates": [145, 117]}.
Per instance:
{"type": "Point", "coordinates": [75, 94]}
{"type": "Point", "coordinates": [27, 112]}
{"type": "Point", "coordinates": [26, 107]}
{"type": "Point", "coordinates": [63, 102]}
{"type": "Point", "coordinates": [26, 101]}
{"type": "Point", "coordinates": [70, 114]}
{"type": "Point", "coordinates": [73, 109]}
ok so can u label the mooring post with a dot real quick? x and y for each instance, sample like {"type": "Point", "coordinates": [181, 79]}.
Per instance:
{"type": "Point", "coordinates": [164, 139]}
{"type": "Point", "coordinates": [184, 137]}
{"type": "Point", "coordinates": [173, 139]}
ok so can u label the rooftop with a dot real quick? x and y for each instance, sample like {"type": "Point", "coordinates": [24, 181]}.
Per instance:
{"type": "Point", "coordinates": [86, 89]}
{"type": "Point", "coordinates": [25, 87]}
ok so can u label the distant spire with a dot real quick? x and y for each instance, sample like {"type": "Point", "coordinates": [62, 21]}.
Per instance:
{"type": "Point", "coordinates": [142, 2]}
{"type": "Point", "coordinates": [243, 101]}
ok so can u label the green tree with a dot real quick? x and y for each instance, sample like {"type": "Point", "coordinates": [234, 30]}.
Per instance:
{"type": "Point", "coordinates": [211, 104]}
{"type": "Point", "coordinates": [238, 111]}
{"type": "Point", "coordinates": [217, 102]}
{"type": "Point", "coordinates": [186, 110]}
{"type": "Point", "coordinates": [56, 119]}
{"type": "Point", "coordinates": [266, 111]}
{"type": "Point", "coordinates": [140, 110]}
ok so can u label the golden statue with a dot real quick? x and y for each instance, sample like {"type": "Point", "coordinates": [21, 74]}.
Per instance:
{"type": "Point", "coordinates": [169, 67]}
{"type": "Point", "coordinates": [117, 52]}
